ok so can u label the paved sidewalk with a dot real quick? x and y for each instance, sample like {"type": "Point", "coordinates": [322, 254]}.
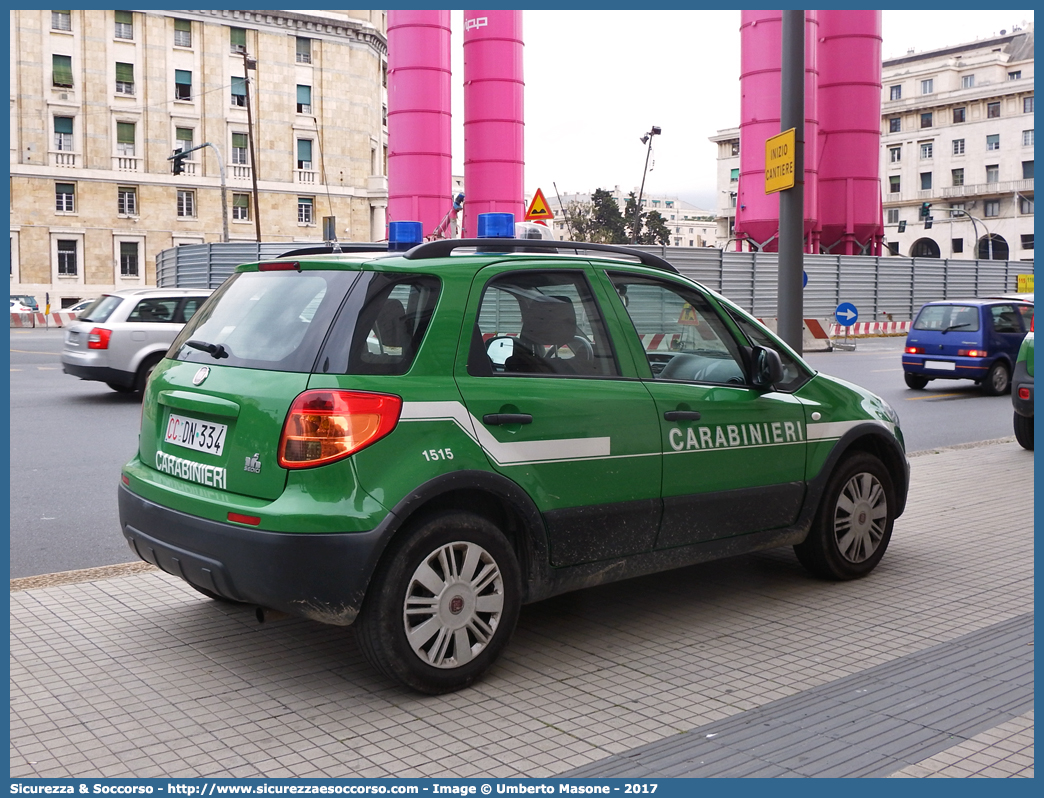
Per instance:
{"type": "Point", "coordinates": [139, 676]}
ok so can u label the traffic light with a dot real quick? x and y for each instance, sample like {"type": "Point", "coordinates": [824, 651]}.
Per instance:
{"type": "Point", "coordinates": [925, 209]}
{"type": "Point", "coordinates": [177, 162]}
{"type": "Point", "coordinates": [928, 223]}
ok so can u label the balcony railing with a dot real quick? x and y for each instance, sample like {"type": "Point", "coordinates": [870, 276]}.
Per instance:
{"type": "Point", "coordinates": [126, 163]}
{"type": "Point", "coordinates": [66, 160]}
{"type": "Point", "coordinates": [305, 176]}
{"type": "Point", "coordinates": [984, 189]}
{"type": "Point", "coordinates": [240, 172]}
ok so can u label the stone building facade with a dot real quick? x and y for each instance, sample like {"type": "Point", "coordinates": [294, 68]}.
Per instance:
{"type": "Point", "coordinates": [101, 99]}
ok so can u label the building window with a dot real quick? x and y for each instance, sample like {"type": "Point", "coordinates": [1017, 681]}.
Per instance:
{"type": "Point", "coordinates": [241, 207]}
{"type": "Point", "coordinates": [992, 110]}
{"type": "Point", "coordinates": [734, 148]}
{"type": "Point", "coordinates": [968, 81]}
{"type": "Point", "coordinates": [67, 257]}
{"type": "Point", "coordinates": [64, 197]}
{"type": "Point", "coordinates": [304, 153]}
{"type": "Point", "coordinates": [991, 208]}
{"type": "Point", "coordinates": [61, 20]}
{"type": "Point", "coordinates": [126, 201]}
{"type": "Point", "coordinates": [124, 25]}
{"type": "Point", "coordinates": [926, 181]}
{"type": "Point", "coordinates": [1026, 205]}
{"type": "Point", "coordinates": [958, 176]}
{"type": "Point", "coordinates": [926, 119]}
{"type": "Point", "coordinates": [895, 92]}
{"type": "Point", "coordinates": [304, 99]}
{"type": "Point", "coordinates": [992, 173]}
{"type": "Point", "coordinates": [958, 115]}
{"type": "Point", "coordinates": [239, 148]}
{"type": "Point", "coordinates": [1027, 138]}
{"type": "Point", "coordinates": [61, 71]}
{"type": "Point", "coordinates": [733, 175]}
{"type": "Point", "coordinates": [239, 92]}
{"type": "Point", "coordinates": [957, 245]}
{"type": "Point", "coordinates": [183, 137]}
{"type": "Point", "coordinates": [893, 247]}
{"type": "Point", "coordinates": [304, 210]}
{"type": "Point", "coordinates": [128, 259]}
{"type": "Point", "coordinates": [237, 39]}
{"type": "Point", "coordinates": [125, 139]}
{"type": "Point", "coordinates": [1027, 105]}
{"type": "Point", "coordinates": [1016, 75]}
{"type": "Point", "coordinates": [993, 142]}
{"type": "Point", "coordinates": [182, 84]}
{"type": "Point", "coordinates": [1027, 241]}
{"type": "Point", "coordinates": [893, 215]}
{"type": "Point", "coordinates": [304, 50]}
{"type": "Point", "coordinates": [895, 124]}
{"type": "Point", "coordinates": [63, 133]}
{"type": "Point", "coordinates": [124, 78]}
{"type": "Point", "coordinates": [895, 154]}
{"type": "Point", "coordinates": [182, 33]}
{"type": "Point", "coordinates": [1027, 170]}
{"type": "Point", "coordinates": [957, 210]}
{"type": "Point", "coordinates": [958, 146]}
{"type": "Point", "coordinates": [926, 150]}
{"type": "Point", "coordinates": [186, 204]}
{"type": "Point", "coordinates": [893, 184]}
{"type": "Point", "coordinates": [927, 86]}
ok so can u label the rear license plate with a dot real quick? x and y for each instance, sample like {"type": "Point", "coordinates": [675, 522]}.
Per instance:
{"type": "Point", "coordinates": [940, 365]}
{"type": "Point", "coordinates": [191, 433]}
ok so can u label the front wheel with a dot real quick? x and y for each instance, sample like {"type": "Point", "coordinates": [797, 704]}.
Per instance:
{"type": "Point", "coordinates": [443, 603]}
{"type": "Point", "coordinates": [998, 380]}
{"type": "Point", "coordinates": [853, 525]}
{"type": "Point", "coordinates": [1024, 431]}
{"type": "Point", "coordinates": [915, 381]}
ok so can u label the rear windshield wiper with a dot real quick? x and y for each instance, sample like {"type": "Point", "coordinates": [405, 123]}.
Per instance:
{"type": "Point", "coordinates": [214, 350]}
{"type": "Point", "coordinates": [956, 327]}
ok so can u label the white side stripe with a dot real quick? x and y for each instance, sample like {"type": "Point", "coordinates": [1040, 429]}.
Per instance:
{"type": "Point", "coordinates": [835, 429]}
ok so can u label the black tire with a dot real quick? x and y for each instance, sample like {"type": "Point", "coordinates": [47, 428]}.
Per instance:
{"type": "Point", "coordinates": [434, 550]}
{"type": "Point", "coordinates": [915, 381]}
{"type": "Point", "coordinates": [997, 380]}
{"type": "Point", "coordinates": [121, 388]}
{"type": "Point", "coordinates": [1024, 431]}
{"type": "Point", "coordinates": [831, 550]}
{"type": "Point", "coordinates": [144, 370]}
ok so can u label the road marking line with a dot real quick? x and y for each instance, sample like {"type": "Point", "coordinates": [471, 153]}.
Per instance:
{"type": "Point", "coordinates": [879, 371]}
{"type": "Point", "coordinates": [934, 396]}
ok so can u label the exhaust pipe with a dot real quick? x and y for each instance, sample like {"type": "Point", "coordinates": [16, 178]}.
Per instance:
{"type": "Point", "coordinates": [265, 615]}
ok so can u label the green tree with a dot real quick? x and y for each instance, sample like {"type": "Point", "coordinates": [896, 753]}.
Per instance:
{"type": "Point", "coordinates": [579, 220]}
{"type": "Point", "coordinates": [633, 219]}
{"type": "Point", "coordinates": [608, 227]}
{"type": "Point", "coordinates": [656, 230]}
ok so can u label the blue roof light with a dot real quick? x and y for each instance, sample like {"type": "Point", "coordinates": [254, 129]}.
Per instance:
{"type": "Point", "coordinates": [404, 235]}
{"type": "Point", "coordinates": [496, 225]}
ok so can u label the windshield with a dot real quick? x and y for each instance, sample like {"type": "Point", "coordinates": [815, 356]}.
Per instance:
{"type": "Point", "coordinates": [102, 308]}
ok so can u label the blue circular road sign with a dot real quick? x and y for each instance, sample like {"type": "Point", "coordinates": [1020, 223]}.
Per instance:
{"type": "Point", "coordinates": [846, 314]}
{"type": "Point", "coordinates": [804, 279]}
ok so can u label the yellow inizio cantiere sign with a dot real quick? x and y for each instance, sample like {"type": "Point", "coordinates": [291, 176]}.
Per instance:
{"type": "Point", "coordinates": [1025, 283]}
{"type": "Point", "coordinates": [779, 162]}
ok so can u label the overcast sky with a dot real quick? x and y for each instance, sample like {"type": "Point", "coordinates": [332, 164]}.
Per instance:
{"type": "Point", "coordinates": [596, 81]}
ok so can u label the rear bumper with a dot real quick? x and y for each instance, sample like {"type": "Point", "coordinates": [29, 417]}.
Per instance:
{"type": "Point", "coordinates": [964, 368]}
{"type": "Point", "coordinates": [85, 366]}
{"type": "Point", "coordinates": [318, 576]}
{"type": "Point", "coordinates": [1022, 380]}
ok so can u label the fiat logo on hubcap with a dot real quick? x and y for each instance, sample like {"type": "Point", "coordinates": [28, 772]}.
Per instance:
{"type": "Point", "coordinates": [456, 605]}
{"type": "Point", "coordinates": [862, 517]}
{"type": "Point", "coordinates": [201, 375]}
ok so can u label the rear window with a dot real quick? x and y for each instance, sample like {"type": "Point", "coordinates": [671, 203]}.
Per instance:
{"type": "Point", "coordinates": [101, 309]}
{"type": "Point", "coordinates": [942, 318]}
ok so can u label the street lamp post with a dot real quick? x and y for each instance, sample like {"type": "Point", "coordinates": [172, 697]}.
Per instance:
{"type": "Point", "coordinates": [989, 235]}
{"type": "Point", "coordinates": [646, 139]}
{"type": "Point", "coordinates": [180, 155]}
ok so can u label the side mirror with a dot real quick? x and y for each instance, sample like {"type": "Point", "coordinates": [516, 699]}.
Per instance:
{"type": "Point", "coordinates": [768, 368]}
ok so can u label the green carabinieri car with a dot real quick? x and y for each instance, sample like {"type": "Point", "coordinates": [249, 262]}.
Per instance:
{"type": "Point", "coordinates": [418, 443]}
{"type": "Point", "coordinates": [1022, 393]}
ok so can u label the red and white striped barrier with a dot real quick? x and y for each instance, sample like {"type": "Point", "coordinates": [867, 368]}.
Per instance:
{"type": "Point", "coordinates": [660, 342]}
{"type": "Point", "coordinates": [58, 319]}
{"type": "Point", "coordinates": [871, 328]}
{"type": "Point", "coordinates": [815, 336]}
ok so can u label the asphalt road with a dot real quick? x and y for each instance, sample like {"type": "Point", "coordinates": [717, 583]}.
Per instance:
{"type": "Point", "coordinates": [70, 438]}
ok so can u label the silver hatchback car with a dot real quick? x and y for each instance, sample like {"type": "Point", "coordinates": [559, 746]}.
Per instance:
{"type": "Point", "coordinates": [121, 337]}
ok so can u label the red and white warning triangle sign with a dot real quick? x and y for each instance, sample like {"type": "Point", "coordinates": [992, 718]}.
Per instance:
{"type": "Point", "coordinates": [539, 210]}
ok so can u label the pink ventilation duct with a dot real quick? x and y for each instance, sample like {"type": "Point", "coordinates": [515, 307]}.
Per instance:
{"type": "Point", "coordinates": [850, 131]}
{"type": "Point", "coordinates": [420, 167]}
{"type": "Point", "coordinates": [493, 116]}
{"type": "Point", "coordinates": [757, 213]}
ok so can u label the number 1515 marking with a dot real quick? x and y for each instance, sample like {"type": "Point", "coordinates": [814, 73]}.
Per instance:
{"type": "Point", "coordinates": [437, 454]}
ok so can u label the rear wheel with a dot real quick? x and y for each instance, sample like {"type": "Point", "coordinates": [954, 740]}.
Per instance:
{"type": "Point", "coordinates": [148, 365]}
{"type": "Point", "coordinates": [915, 381]}
{"type": "Point", "coordinates": [1024, 431]}
{"type": "Point", "coordinates": [997, 380]}
{"type": "Point", "coordinates": [121, 388]}
{"type": "Point", "coordinates": [443, 603]}
{"type": "Point", "coordinates": [853, 525]}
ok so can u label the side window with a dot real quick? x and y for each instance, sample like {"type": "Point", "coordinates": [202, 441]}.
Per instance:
{"type": "Point", "coordinates": [1005, 319]}
{"type": "Point", "coordinates": [1026, 311]}
{"type": "Point", "coordinates": [683, 337]}
{"type": "Point", "coordinates": [190, 306]}
{"type": "Point", "coordinates": [391, 324]}
{"type": "Point", "coordinates": [154, 310]}
{"type": "Point", "coordinates": [540, 323]}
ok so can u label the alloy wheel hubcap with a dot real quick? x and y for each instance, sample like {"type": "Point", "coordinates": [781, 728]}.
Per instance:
{"type": "Point", "coordinates": [860, 518]}
{"type": "Point", "coordinates": [453, 604]}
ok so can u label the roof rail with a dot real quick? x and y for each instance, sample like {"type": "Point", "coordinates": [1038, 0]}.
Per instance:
{"type": "Point", "coordinates": [328, 249]}
{"type": "Point", "coordinates": [444, 247]}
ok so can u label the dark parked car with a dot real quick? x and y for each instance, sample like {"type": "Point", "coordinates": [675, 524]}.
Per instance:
{"type": "Point", "coordinates": [967, 339]}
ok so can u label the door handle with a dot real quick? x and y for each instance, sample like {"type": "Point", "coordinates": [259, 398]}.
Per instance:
{"type": "Point", "coordinates": [681, 415]}
{"type": "Point", "coordinates": [493, 419]}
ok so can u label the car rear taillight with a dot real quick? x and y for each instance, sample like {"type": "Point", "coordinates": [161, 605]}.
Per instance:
{"type": "Point", "coordinates": [915, 350]}
{"type": "Point", "coordinates": [322, 425]}
{"type": "Point", "coordinates": [971, 353]}
{"type": "Point", "coordinates": [1024, 394]}
{"type": "Point", "coordinates": [98, 338]}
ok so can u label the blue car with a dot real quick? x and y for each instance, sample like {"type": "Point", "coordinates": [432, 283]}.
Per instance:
{"type": "Point", "coordinates": [967, 339]}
